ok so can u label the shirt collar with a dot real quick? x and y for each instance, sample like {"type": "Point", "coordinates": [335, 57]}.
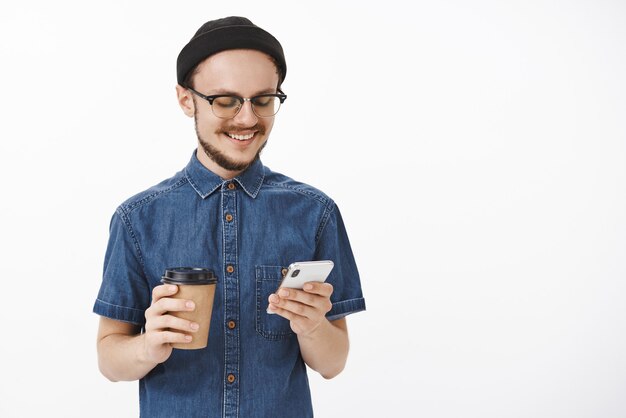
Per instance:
{"type": "Point", "coordinates": [205, 182]}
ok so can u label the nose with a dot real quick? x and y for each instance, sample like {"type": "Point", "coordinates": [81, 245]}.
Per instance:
{"type": "Point", "coordinates": [246, 116]}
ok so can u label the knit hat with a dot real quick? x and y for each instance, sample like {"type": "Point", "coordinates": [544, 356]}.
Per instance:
{"type": "Point", "coordinates": [228, 33]}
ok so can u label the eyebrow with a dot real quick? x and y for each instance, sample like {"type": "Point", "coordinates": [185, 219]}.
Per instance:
{"type": "Point", "coordinates": [232, 93]}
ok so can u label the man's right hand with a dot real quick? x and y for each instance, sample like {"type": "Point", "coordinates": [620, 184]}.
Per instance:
{"type": "Point", "coordinates": [163, 329]}
{"type": "Point", "coordinates": [125, 354]}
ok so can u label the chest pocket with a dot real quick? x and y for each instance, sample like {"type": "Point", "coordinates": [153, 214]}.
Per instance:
{"type": "Point", "coordinates": [270, 326]}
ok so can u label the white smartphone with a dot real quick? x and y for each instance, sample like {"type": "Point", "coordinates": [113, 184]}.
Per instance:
{"type": "Point", "coordinates": [301, 272]}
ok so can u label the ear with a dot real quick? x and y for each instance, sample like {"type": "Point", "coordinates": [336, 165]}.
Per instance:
{"type": "Point", "coordinates": [185, 101]}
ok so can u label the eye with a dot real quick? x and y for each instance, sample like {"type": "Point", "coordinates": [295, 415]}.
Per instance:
{"type": "Point", "coordinates": [263, 100]}
{"type": "Point", "coordinates": [226, 102]}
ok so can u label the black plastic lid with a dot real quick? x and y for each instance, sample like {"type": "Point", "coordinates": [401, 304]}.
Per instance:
{"type": "Point", "coordinates": [189, 275]}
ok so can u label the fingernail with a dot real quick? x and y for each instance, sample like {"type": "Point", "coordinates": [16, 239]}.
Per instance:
{"type": "Point", "coordinates": [188, 337]}
{"type": "Point", "coordinates": [308, 286]}
{"type": "Point", "coordinates": [194, 325]}
{"type": "Point", "coordinates": [189, 304]}
{"type": "Point", "coordinates": [283, 292]}
{"type": "Point", "coordinates": [273, 298]}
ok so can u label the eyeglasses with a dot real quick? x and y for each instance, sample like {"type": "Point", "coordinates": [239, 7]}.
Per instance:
{"type": "Point", "coordinates": [226, 106]}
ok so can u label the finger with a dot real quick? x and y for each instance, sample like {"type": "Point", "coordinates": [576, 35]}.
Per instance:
{"type": "Point", "coordinates": [322, 289]}
{"type": "Point", "coordinates": [173, 323]}
{"type": "Point", "coordinates": [298, 295]}
{"type": "Point", "coordinates": [172, 337]}
{"type": "Point", "coordinates": [291, 316]}
{"type": "Point", "coordinates": [170, 305]}
{"type": "Point", "coordinates": [297, 308]}
{"type": "Point", "coordinates": [321, 303]}
{"type": "Point", "coordinates": [163, 290]}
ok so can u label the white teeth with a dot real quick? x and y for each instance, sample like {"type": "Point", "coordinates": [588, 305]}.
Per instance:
{"type": "Point", "coordinates": [241, 137]}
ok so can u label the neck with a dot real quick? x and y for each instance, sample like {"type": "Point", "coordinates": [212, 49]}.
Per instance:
{"type": "Point", "coordinates": [214, 167]}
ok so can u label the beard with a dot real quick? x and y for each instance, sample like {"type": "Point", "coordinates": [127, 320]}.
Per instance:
{"type": "Point", "coordinates": [219, 157]}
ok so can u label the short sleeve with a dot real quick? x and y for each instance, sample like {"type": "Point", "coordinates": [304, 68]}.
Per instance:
{"type": "Point", "coordinates": [124, 293]}
{"type": "Point", "coordinates": [333, 244]}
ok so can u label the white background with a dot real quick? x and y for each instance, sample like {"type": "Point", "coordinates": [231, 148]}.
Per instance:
{"type": "Point", "coordinates": [476, 149]}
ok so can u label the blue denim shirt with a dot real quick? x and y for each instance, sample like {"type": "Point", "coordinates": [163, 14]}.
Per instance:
{"type": "Point", "coordinates": [252, 368]}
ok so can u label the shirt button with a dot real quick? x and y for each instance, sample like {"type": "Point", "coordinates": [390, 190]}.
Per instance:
{"type": "Point", "coordinates": [283, 272]}
{"type": "Point", "coordinates": [231, 378]}
{"type": "Point", "coordinates": [230, 269]}
{"type": "Point", "coordinates": [229, 217]}
{"type": "Point", "coordinates": [231, 186]}
{"type": "Point", "coordinates": [231, 324]}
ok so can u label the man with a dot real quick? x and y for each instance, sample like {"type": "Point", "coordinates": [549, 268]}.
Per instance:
{"type": "Point", "coordinates": [227, 212]}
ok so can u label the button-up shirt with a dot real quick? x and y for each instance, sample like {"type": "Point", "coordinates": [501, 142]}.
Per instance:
{"type": "Point", "coordinates": [247, 230]}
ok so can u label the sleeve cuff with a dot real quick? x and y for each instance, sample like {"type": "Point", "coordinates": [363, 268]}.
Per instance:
{"type": "Point", "coordinates": [345, 307]}
{"type": "Point", "coordinates": [120, 313]}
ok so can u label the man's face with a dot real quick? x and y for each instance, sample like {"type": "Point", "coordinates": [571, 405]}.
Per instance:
{"type": "Point", "coordinates": [229, 146]}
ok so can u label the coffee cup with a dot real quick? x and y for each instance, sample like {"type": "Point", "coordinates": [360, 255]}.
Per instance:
{"type": "Point", "coordinates": [198, 285]}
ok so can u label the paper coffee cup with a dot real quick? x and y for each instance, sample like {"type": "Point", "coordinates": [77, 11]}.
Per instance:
{"type": "Point", "coordinates": [198, 285]}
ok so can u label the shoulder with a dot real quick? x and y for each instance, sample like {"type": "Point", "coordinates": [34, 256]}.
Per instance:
{"type": "Point", "coordinates": [160, 191]}
{"type": "Point", "coordinates": [280, 183]}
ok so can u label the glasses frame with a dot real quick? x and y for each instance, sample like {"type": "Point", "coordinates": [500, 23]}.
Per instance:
{"type": "Point", "coordinates": [280, 95]}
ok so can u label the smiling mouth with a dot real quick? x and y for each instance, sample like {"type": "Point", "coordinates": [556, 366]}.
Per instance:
{"type": "Point", "coordinates": [241, 137]}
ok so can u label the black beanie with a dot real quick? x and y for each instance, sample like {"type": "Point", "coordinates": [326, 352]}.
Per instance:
{"type": "Point", "coordinates": [228, 33]}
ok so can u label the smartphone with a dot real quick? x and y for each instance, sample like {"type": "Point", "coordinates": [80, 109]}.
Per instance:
{"type": "Point", "coordinates": [301, 272]}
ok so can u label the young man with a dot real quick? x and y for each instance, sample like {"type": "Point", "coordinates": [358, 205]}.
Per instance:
{"type": "Point", "coordinates": [227, 212]}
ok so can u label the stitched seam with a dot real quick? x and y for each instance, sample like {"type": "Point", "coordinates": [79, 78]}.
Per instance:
{"type": "Point", "coordinates": [193, 184]}
{"type": "Point", "coordinates": [119, 306]}
{"type": "Point", "coordinates": [132, 206]}
{"type": "Point", "coordinates": [237, 273]}
{"type": "Point", "coordinates": [267, 273]}
{"type": "Point", "coordinates": [197, 188]}
{"type": "Point", "coordinates": [316, 196]}
{"type": "Point", "coordinates": [323, 222]}
{"type": "Point", "coordinates": [224, 296]}
{"type": "Point", "coordinates": [256, 187]}
{"type": "Point", "coordinates": [129, 227]}
{"type": "Point", "coordinates": [347, 307]}
{"type": "Point", "coordinates": [346, 301]}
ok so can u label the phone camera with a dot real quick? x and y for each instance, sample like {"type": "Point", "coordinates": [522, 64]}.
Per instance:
{"type": "Point", "coordinates": [295, 273]}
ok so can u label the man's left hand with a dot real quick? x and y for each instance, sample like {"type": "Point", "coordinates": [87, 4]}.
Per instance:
{"type": "Point", "coordinates": [305, 309]}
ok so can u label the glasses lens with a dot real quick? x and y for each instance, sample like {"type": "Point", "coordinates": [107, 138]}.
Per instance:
{"type": "Point", "coordinates": [265, 106]}
{"type": "Point", "coordinates": [226, 106]}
